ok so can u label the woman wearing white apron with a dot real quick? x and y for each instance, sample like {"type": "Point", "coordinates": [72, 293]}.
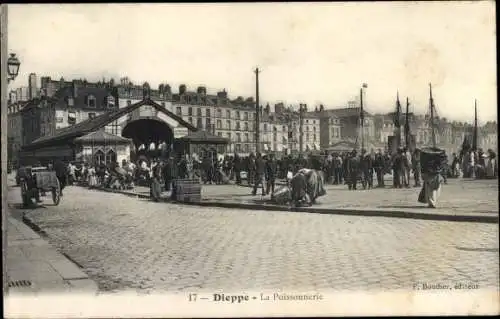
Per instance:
{"type": "Point", "coordinates": [433, 163]}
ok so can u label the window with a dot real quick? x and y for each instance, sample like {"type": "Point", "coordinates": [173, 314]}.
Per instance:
{"type": "Point", "coordinates": [91, 102]}
{"type": "Point", "coordinates": [228, 136]}
{"type": "Point", "coordinates": [129, 102]}
{"type": "Point", "coordinates": [191, 120]}
{"type": "Point", "coordinates": [190, 111]}
{"type": "Point", "coordinates": [265, 127]}
{"type": "Point", "coordinates": [219, 134]}
{"type": "Point", "coordinates": [199, 122]}
{"type": "Point", "coordinates": [228, 114]}
{"type": "Point", "coordinates": [246, 116]}
{"type": "Point", "coordinates": [314, 137]}
{"type": "Point", "coordinates": [228, 124]}
{"type": "Point", "coordinates": [207, 112]}
{"type": "Point", "coordinates": [246, 137]}
{"type": "Point", "coordinates": [284, 128]}
{"type": "Point", "coordinates": [307, 121]}
{"type": "Point", "coordinates": [237, 115]}
{"type": "Point", "coordinates": [238, 126]}
{"type": "Point", "coordinates": [247, 148]}
{"type": "Point", "coordinates": [314, 128]}
{"type": "Point", "coordinates": [307, 128]}
{"type": "Point", "coordinates": [307, 136]}
{"type": "Point", "coordinates": [198, 112]}
{"type": "Point", "coordinates": [246, 126]}
{"type": "Point", "coordinates": [219, 113]}
{"type": "Point", "coordinates": [275, 129]}
{"type": "Point", "coordinates": [178, 111]}
{"type": "Point", "coordinates": [238, 137]}
{"type": "Point", "coordinates": [275, 136]}
{"type": "Point", "coordinates": [91, 115]}
{"type": "Point", "coordinates": [238, 147]}
{"type": "Point", "coordinates": [208, 123]}
{"type": "Point", "coordinates": [219, 124]}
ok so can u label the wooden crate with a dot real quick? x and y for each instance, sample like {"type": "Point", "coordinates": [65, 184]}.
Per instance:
{"type": "Point", "coordinates": [186, 190]}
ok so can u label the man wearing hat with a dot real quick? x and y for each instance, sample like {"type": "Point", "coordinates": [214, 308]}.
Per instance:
{"type": "Point", "coordinates": [366, 167]}
{"type": "Point", "coordinates": [352, 169]}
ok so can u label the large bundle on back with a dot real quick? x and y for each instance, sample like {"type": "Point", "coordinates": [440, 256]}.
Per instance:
{"type": "Point", "coordinates": [432, 160]}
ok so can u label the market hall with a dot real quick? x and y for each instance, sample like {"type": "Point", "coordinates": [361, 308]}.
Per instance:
{"type": "Point", "coordinates": [144, 129]}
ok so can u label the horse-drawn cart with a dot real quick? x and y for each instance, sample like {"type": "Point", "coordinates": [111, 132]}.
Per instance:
{"type": "Point", "coordinates": [40, 182]}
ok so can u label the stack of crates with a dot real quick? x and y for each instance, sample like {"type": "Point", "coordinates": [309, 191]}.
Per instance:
{"type": "Point", "coordinates": [186, 190]}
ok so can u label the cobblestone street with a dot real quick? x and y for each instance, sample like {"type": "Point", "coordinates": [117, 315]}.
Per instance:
{"type": "Point", "coordinates": [128, 243]}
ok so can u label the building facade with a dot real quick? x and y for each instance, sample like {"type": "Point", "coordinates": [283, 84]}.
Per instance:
{"type": "Point", "coordinates": [58, 104]}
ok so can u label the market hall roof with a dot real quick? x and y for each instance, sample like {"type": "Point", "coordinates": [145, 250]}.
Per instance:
{"type": "Point", "coordinates": [100, 121]}
{"type": "Point", "coordinates": [102, 137]}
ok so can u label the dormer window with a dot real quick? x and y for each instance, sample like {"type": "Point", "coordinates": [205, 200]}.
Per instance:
{"type": "Point", "coordinates": [91, 101]}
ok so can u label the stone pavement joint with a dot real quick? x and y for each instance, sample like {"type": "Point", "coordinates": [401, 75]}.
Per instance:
{"type": "Point", "coordinates": [396, 212]}
{"type": "Point", "coordinates": [31, 259]}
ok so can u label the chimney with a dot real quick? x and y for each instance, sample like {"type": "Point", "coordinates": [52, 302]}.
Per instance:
{"type": "Point", "coordinates": [202, 90]}
{"type": "Point", "coordinates": [222, 94]}
{"type": "Point", "coordinates": [182, 89]}
{"type": "Point", "coordinates": [75, 88]}
{"type": "Point", "coordinates": [167, 89]}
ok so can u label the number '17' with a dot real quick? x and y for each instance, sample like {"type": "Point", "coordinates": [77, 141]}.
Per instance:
{"type": "Point", "coordinates": [192, 297]}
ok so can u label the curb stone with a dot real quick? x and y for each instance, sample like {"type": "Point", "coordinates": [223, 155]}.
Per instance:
{"type": "Point", "coordinates": [332, 211]}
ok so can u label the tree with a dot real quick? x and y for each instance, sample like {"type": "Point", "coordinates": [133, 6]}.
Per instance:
{"type": "Point", "coordinates": [321, 107]}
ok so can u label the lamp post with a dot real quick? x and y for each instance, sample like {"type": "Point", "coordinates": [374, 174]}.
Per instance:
{"type": "Point", "coordinates": [10, 70]}
{"type": "Point", "coordinates": [13, 65]}
{"type": "Point", "coordinates": [362, 114]}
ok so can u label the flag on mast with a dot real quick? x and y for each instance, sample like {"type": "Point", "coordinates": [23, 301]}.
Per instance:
{"type": "Point", "coordinates": [474, 132]}
{"type": "Point", "coordinates": [407, 124]}
{"type": "Point", "coordinates": [397, 115]}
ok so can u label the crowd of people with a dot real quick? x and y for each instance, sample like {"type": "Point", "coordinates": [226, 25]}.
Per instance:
{"type": "Point", "coordinates": [356, 170]}
{"type": "Point", "coordinates": [343, 168]}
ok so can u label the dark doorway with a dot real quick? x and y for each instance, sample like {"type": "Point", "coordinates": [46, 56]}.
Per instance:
{"type": "Point", "coordinates": [147, 131]}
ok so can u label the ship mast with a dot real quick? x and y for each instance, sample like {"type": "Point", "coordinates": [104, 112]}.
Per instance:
{"type": "Point", "coordinates": [431, 105]}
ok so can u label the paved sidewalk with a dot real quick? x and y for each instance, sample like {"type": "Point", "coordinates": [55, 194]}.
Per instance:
{"type": "Point", "coordinates": [461, 200]}
{"type": "Point", "coordinates": [35, 267]}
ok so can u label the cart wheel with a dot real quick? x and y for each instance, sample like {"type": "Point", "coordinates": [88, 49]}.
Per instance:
{"type": "Point", "coordinates": [56, 194]}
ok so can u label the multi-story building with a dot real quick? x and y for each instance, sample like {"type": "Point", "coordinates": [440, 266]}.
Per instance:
{"type": "Point", "coordinates": [349, 120]}
{"type": "Point", "coordinates": [68, 106]}
{"type": "Point", "coordinates": [330, 129]}
{"type": "Point", "coordinates": [33, 91]}
{"type": "Point", "coordinates": [19, 95]}
{"type": "Point", "coordinates": [14, 131]}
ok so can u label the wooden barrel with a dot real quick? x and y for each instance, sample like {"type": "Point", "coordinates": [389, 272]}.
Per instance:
{"type": "Point", "coordinates": [186, 190]}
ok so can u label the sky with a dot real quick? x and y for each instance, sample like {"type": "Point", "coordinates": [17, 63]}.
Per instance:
{"type": "Point", "coordinates": [308, 52]}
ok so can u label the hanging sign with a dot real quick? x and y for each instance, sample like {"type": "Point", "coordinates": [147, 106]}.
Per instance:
{"type": "Point", "coordinates": [180, 132]}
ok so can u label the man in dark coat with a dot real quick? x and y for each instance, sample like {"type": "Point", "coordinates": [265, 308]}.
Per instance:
{"type": "Point", "coordinates": [61, 172]}
{"type": "Point", "coordinates": [352, 169]}
{"type": "Point", "coordinates": [271, 172]}
{"type": "Point", "coordinates": [379, 167]}
{"type": "Point", "coordinates": [237, 164]}
{"type": "Point", "coordinates": [260, 170]}
{"type": "Point", "coordinates": [397, 169]}
{"type": "Point", "coordinates": [366, 165]}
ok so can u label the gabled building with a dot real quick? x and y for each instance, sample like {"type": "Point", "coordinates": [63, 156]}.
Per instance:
{"type": "Point", "coordinates": [143, 123]}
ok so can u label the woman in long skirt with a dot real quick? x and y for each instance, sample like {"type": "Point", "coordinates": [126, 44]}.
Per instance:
{"type": "Point", "coordinates": [91, 177]}
{"type": "Point", "coordinates": [431, 189]}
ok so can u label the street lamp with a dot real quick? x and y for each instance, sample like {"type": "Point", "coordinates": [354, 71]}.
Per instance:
{"type": "Point", "coordinates": [13, 67]}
